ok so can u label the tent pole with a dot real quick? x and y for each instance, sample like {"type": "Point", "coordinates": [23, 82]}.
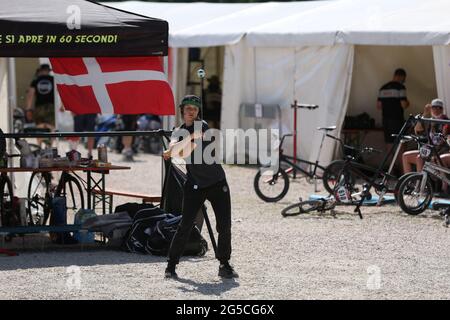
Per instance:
{"type": "Point", "coordinates": [172, 67]}
{"type": "Point", "coordinates": [12, 102]}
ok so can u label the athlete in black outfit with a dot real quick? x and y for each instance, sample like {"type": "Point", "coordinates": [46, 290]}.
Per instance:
{"type": "Point", "coordinates": [392, 101]}
{"type": "Point", "coordinates": [205, 181]}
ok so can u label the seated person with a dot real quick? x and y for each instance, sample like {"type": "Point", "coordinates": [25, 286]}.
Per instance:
{"type": "Point", "coordinates": [434, 111]}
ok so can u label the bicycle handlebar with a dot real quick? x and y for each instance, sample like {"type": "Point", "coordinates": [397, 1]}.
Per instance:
{"type": "Point", "coordinates": [370, 150]}
{"type": "Point", "coordinates": [418, 139]}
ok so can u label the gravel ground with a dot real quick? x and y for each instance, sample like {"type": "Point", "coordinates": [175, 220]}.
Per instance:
{"type": "Point", "coordinates": [387, 255]}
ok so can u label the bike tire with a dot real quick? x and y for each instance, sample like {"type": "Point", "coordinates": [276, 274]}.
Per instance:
{"type": "Point", "coordinates": [305, 207]}
{"type": "Point", "coordinates": [398, 184]}
{"type": "Point", "coordinates": [280, 174]}
{"type": "Point", "coordinates": [331, 174]}
{"type": "Point", "coordinates": [334, 172]}
{"type": "Point", "coordinates": [6, 209]}
{"type": "Point", "coordinates": [32, 203]}
{"type": "Point", "coordinates": [405, 189]}
{"type": "Point", "coordinates": [70, 182]}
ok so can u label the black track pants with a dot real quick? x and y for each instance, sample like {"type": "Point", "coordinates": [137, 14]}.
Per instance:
{"type": "Point", "coordinates": [219, 197]}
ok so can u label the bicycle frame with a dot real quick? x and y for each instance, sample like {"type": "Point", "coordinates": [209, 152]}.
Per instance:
{"type": "Point", "coordinates": [394, 149]}
{"type": "Point", "coordinates": [436, 170]}
{"type": "Point", "coordinates": [356, 168]}
{"type": "Point", "coordinates": [293, 160]}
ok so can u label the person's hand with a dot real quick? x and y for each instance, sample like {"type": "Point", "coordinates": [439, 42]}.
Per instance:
{"type": "Point", "coordinates": [62, 109]}
{"type": "Point", "coordinates": [167, 154]}
{"type": "Point", "coordinates": [427, 109]}
{"type": "Point", "coordinates": [196, 135]}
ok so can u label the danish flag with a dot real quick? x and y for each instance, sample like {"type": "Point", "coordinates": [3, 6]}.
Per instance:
{"type": "Point", "coordinates": [129, 85]}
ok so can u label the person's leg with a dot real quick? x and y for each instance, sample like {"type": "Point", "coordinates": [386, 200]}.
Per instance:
{"type": "Point", "coordinates": [419, 163]}
{"type": "Point", "coordinates": [446, 162]}
{"type": "Point", "coordinates": [220, 199]}
{"type": "Point", "coordinates": [77, 127]}
{"type": "Point", "coordinates": [408, 159]}
{"type": "Point", "coordinates": [192, 202]}
{"type": "Point", "coordinates": [129, 122]}
{"type": "Point", "coordinates": [90, 127]}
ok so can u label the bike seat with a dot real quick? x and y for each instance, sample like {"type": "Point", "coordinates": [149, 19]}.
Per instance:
{"type": "Point", "coordinates": [327, 128]}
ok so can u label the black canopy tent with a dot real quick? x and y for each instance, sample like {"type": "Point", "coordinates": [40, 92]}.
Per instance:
{"type": "Point", "coordinates": [74, 28]}
{"type": "Point", "coordinates": [77, 28]}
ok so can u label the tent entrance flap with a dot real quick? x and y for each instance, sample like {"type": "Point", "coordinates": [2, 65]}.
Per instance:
{"type": "Point", "coordinates": [374, 66]}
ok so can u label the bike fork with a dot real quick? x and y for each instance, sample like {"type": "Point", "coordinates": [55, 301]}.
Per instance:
{"type": "Point", "coordinates": [423, 183]}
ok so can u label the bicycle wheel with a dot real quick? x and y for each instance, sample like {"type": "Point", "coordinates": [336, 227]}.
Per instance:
{"type": "Point", "coordinates": [399, 183]}
{"type": "Point", "coordinates": [333, 173]}
{"type": "Point", "coordinates": [271, 187]}
{"type": "Point", "coordinates": [307, 207]}
{"type": "Point", "coordinates": [70, 188]}
{"type": "Point", "coordinates": [410, 198]}
{"type": "Point", "coordinates": [7, 217]}
{"type": "Point", "coordinates": [38, 198]}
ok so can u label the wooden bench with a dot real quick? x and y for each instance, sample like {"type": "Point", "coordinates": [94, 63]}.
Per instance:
{"type": "Point", "coordinates": [146, 198]}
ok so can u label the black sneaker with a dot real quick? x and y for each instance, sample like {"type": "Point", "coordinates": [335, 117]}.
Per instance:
{"type": "Point", "coordinates": [170, 273]}
{"type": "Point", "coordinates": [227, 271]}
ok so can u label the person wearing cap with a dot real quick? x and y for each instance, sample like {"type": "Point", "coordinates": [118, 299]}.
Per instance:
{"type": "Point", "coordinates": [434, 110]}
{"type": "Point", "coordinates": [40, 98]}
{"type": "Point", "coordinates": [205, 181]}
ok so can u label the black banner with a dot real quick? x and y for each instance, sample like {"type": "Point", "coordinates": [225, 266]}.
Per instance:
{"type": "Point", "coordinates": [74, 28]}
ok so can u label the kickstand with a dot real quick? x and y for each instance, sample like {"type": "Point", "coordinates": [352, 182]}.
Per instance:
{"type": "Point", "coordinates": [210, 231]}
{"type": "Point", "coordinates": [357, 209]}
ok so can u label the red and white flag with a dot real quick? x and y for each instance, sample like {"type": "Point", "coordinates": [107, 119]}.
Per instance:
{"type": "Point", "coordinates": [131, 85]}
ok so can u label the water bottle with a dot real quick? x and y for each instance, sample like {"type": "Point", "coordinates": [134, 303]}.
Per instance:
{"type": "Point", "coordinates": [102, 153]}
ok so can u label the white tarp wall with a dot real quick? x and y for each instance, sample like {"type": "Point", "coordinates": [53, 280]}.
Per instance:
{"type": "Point", "coordinates": [282, 75]}
{"type": "Point", "coordinates": [4, 121]}
{"type": "Point", "coordinates": [442, 67]}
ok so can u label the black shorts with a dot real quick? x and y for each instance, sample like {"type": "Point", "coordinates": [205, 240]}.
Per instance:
{"type": "Point", "coordinates": [129, 122]}
{"type": "Point", "coordinates": [84, 122]}
{"type": "Point", "coordinates": [391, 126]}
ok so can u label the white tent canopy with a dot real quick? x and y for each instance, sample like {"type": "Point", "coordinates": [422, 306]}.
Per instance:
{"type": "Point", "coordinates": [214, 24]}
{"type": "Point", "coordinates": [281, 24]}
{"type": "Point", "coordinates": [368, 22]}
